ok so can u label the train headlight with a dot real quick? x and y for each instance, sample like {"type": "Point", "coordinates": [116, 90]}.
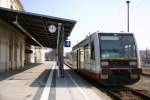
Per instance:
{"type": "Point", "coordinates": [132, 63]}
{"type": "Point", "coordinates": [104, 63]}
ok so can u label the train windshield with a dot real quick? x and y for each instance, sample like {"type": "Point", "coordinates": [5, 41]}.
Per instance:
{"type": "Point", "coordinates": [117, 46]}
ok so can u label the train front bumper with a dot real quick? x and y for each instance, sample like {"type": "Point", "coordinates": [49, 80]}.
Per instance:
{"type": "Point", "coordinates": [121, 76]}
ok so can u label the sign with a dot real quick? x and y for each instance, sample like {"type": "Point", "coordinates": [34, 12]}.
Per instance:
{"type": "Point", "coordinates": [52, 28]}
{"type": "Point", "coordinates": [109, 38]}
{"type": "Point", "coordinates": [67, 43]}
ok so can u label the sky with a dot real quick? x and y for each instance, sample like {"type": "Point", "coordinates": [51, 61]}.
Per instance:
{"type": "Point", "coordinates": [98, 15]}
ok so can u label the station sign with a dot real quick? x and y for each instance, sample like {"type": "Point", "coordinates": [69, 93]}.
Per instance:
{"type": "Point", "coordinates": [67, 43]}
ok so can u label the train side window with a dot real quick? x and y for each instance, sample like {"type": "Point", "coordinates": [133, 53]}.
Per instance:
{"type": "Point", "coordinates": [86, 53]}
{"type": "Point", "coordinates": [92, 51]}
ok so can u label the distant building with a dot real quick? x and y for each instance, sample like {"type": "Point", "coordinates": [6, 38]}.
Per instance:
{"type": "Point", "coordinates": [145, 57]}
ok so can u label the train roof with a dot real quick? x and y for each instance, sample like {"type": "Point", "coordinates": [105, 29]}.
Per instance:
{"type": "Point", "coordinates": [102, 33]}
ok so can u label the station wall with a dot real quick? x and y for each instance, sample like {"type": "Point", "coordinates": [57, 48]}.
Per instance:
{"type": "Point", "coordinates": [12, 48]}
{"type": "Point", "coordinates": [37, 55]}
{"type": "Point", "coordinates": [12, 4]}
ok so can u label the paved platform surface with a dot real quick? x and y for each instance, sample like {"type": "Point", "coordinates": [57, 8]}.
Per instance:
{"type": "Point", "coordinates": [41, 82]}
{"type": "Point", "coordinates": [24, 84]}
{"type": "Point", "coordinates": [71, 87]}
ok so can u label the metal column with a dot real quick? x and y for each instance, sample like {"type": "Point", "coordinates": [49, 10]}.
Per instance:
{"type": "Point", "coordinates": [128, 22]}
{"type": "Point", "coordinates": [60, 50]}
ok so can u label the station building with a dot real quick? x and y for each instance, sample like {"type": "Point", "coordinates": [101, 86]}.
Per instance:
{"type": "Point", "coordinates": [15, 52]}
{"type": "Point", "coordinates": [12, 4]}
{"type": "Point", "coordinates": [12, 41]}
{"type": "Point", "coordinates": [23, 35]}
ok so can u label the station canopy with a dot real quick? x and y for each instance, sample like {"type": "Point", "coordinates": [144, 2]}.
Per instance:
{"type": "Point", "coordinates": [37, 26]}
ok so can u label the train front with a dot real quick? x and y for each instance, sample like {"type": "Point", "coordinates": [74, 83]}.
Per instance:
{"type": "Point", "coordinates": [119, 59]}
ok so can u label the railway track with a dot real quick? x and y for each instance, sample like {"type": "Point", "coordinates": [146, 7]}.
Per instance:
{"type": "Point", "coordinates": [125, 93]}
{"type": "Point", "coordinates": [121, 92]}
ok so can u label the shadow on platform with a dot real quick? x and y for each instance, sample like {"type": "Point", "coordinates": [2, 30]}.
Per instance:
{"type": "Point", "coordinates": [60, 82]}
{"type": "Point", "coordinates": [42, 79]}
{"type": "Point", "coordinates": [6, 75]}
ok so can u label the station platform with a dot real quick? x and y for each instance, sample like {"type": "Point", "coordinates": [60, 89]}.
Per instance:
{"type": "Point", "coordinates": [71, 87]}
{"type": "Point", "coordinates": [41, 82]}
{"type": "Point", "coordinates": [26, 83]}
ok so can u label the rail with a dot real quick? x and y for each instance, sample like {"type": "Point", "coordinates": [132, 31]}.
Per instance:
{"type": "Point", "coordinates": [125, 93]}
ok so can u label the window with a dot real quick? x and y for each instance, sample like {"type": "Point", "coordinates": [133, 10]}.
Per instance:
{"type": "Point", "coordinates": [92, 51]}
{"type": "Point", "coordinates": [121, 46]}
{"type": "Point", "coordinates": [11, 6]}
{"type": "Point", "coordinates": [86, 53]}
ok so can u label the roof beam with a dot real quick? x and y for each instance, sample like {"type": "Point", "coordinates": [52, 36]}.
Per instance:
{"type": "Point", "coordinates": [22, 29]}
{"type": "Point", "coordinates": [35, 26]}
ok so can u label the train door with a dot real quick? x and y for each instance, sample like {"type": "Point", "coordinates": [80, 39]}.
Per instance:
{"type": "Point", "coordinates": [94, 55]}
{"type": "Point", "coordinates": [87, 57]}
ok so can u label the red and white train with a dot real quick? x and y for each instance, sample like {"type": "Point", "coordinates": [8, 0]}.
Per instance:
{"type": "Point", "coordinates": [110, 58]}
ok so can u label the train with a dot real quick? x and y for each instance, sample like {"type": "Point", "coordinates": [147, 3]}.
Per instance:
{"type": "Point", "coordinates": [109, 58]}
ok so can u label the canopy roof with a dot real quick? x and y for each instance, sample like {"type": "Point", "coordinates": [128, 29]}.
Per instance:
{"type": "Point", "coordinates": [37, 26]}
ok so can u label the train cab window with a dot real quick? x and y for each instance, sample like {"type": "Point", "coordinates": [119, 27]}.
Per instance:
{"type": "Point", "coordinates": [92, 51]}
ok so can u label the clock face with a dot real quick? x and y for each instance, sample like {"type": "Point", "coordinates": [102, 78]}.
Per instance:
{"type": "Point", "coordinates": [52, 28]}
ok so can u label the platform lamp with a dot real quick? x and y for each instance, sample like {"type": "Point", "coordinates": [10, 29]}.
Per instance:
{"type": "Point", "coordinates": [128, 2]}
